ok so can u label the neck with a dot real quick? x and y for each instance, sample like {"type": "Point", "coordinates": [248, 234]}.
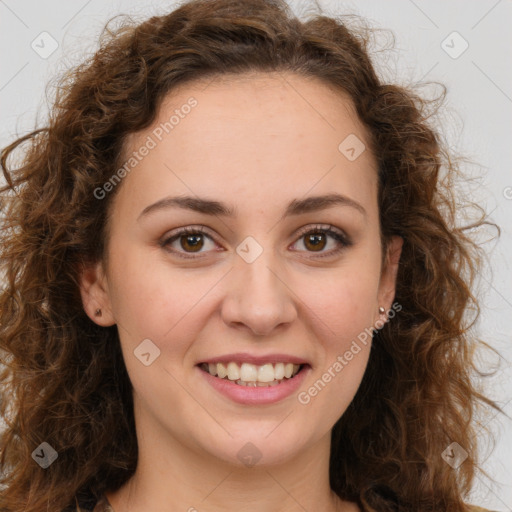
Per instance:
{"type": "Point", "coordinates": [173, 476]}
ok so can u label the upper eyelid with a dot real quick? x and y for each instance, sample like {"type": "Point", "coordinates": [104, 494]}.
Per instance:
{"type": "Point", "coordinates": [320, 227]}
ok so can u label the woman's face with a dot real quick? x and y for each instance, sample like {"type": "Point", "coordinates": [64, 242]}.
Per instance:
{"type": "Point", "coordinates": [249, 166]}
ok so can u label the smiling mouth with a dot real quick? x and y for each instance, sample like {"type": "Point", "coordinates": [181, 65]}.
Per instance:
{"type": "Point", "coordinates": [251, 375]}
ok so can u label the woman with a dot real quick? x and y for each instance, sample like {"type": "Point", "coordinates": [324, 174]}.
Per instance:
{"type": "Point", "coordinates": [233, 281]}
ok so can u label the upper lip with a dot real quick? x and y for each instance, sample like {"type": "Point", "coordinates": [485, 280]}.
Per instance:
{"type": "Point", "coordinates": [242, 357]}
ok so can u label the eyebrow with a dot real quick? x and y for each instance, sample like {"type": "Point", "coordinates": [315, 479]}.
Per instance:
{"type": "Point", "coordinates": [211, 207]}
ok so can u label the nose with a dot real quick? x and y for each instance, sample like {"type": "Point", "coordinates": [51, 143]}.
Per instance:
{"type": "Point", "coordinates": [258, 298]}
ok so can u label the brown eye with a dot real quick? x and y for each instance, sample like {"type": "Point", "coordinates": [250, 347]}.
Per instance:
{"type": "Point", "coordinates": [318, 238]}
{"type": "Point", "coordinates": [315, 241]}
{"type": "Point", "coordinates": [188, 241]}
{"type": "Point", "coordinates": [192, 243]}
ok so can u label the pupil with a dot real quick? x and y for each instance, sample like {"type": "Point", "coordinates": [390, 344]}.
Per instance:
{"type": "Point", "coordinates": [194, 242]}
{"type": "Point", "coordinates": [317, 241]}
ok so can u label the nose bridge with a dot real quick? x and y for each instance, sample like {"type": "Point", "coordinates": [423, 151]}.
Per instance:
{"type": "Point", "coordinates": [258, 296]}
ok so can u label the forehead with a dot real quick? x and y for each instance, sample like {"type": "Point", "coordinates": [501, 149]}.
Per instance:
{"type": "Point", "coordinates": [265, 132]}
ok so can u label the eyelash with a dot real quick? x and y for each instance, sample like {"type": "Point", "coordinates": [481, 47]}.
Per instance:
{"type": "Point", "coordinates": [339, 236]}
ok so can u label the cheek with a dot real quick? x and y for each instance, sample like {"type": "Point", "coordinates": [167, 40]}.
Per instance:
{"type": "Point", "coordinates": [340, 315]}
{"type": "Point", "coordinates": [343, 301]}
{"type": "Point", "coordinates": [152, 300]}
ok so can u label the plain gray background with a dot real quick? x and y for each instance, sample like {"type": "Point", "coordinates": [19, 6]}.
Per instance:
{"type": "Point", "coordinates": [474, 63]}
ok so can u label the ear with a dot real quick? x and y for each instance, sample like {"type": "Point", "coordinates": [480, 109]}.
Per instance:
{"type": "Point", "coordinates": [387, 284]}
{"type": "Point", "coordinates": [95, 294]}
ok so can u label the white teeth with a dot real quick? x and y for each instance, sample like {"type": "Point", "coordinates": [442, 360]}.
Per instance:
{"type": "Point", "coordinates": [249, 372]}
{"type": "Point", "coordinates": [221, 371]}
{"type": "Point", "coordinates": [233, 371]}
{"type": "Point", "coordinates": [251, 375]}
{"type": "Point", "coordinates": [266, 373]}
{"type": "Point", "coordinates": [257, 384]}
{"type": "Point", "coordinates": [279, 371]}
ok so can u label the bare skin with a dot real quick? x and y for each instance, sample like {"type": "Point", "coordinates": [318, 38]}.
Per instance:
{"type": "Point", "coordinates": [255, 144]}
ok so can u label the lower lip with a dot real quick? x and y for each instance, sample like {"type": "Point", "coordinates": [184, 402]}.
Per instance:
{"type": "Point", "coordinates": [255, 395]}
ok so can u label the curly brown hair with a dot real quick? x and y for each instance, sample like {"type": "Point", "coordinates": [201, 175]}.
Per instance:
{"type": "Point", "coordinates": [64, 380]}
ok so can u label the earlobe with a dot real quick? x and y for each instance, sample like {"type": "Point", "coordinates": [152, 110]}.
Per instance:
{"type": "Point", "coordinates": [95, 295]}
